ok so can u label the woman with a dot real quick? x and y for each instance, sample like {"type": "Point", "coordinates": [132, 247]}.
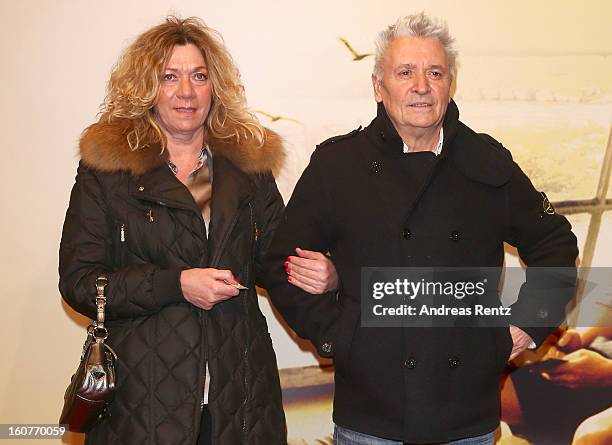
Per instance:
{"type": "Point", "coordinates": [196, 363]}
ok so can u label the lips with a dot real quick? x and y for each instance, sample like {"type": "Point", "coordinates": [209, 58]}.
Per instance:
{"type": "Point", "coordinates": [185, 109]}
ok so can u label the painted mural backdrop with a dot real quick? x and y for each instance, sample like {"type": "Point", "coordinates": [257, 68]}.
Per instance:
{"type": "Point", "coordinates": [535, 75]}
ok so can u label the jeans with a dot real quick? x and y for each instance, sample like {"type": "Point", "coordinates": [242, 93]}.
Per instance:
{"type": "Point", "coordinates": [344, 436]}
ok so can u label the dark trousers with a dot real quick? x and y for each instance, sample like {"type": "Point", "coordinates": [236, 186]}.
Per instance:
{"type": "Point", "coordinates": [205, 428]}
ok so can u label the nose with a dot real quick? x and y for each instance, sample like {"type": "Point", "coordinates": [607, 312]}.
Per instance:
{"type": "Point", "coordinates": [185, 88]}
{"type": "Point", "coordinates": [421, 84]}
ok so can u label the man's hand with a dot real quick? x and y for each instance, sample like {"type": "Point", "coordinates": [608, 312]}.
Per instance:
{"type": "Point", "coordinates": [205, 287]}
{"type": "Point", "coordinates": [520, 341]}
{"type": "Point", "coordinates": [311, 271]}
{"type": "Point", "coordinates": [582, 369]}
{"type": "Point", "coordinates": [561, 342]}
{"type": "Point", "coordinates": [570, 341]}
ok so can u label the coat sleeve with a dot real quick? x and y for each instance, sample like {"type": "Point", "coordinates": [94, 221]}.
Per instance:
{"type": "Point", "coordinates": [87, 250]}
{"type": "Point", "coordinates": [548, 247]}
{"type": "Point", "coordinates": [269, 208]}
{"type": "Point", "coordinates": [307, 224]}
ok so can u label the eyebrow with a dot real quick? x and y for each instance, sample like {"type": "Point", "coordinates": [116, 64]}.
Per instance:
{"type": "Point", "coordinates": [412, 66]}
{"type": "Point", "coordinates": [197, 68]}
{"type": "Point", "coordinates": [406, 65]}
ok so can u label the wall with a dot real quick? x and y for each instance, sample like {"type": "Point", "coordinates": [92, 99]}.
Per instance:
{"type": "Point", "coordinates": [534, 74]}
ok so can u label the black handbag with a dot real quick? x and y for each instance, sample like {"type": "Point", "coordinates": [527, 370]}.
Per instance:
{"type": "Point", "coordinates": [92, 387]}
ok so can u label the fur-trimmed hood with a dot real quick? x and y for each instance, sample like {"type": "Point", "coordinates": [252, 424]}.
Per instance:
{"type": "Point", "coordinates": [104, 147]}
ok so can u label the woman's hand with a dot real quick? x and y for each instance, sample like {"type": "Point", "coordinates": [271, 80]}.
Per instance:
{"type": "Point", "coordinates": [206, 287]}
{"type": "Point", "coordinates": [312, 272]}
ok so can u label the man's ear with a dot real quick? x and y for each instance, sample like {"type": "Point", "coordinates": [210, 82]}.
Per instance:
{"type": "Point", "coordinates": [376, 84]}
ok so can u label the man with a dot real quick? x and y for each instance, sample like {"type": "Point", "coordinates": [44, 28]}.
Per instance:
{"type": "Point", "coordinates": [415, 188]}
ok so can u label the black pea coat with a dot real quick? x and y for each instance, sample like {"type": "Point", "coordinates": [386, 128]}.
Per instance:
{"type": "Point", "coordinates": [417, 385]}
{"type": "Point", "coordinates": [130, 218]}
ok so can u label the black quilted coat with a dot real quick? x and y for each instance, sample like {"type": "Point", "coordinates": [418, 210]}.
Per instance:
{"type": "Point", "coordinates": [132, 219]}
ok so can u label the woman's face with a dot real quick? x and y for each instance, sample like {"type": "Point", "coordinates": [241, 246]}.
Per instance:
{"type": "Point", "coordinates": [185, 93]}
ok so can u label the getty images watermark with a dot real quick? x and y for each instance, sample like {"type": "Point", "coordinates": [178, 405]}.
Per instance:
{"type": "Point", "coordinates": [406, 288]}
{"type": "Point", "coordinates": [481, 297]}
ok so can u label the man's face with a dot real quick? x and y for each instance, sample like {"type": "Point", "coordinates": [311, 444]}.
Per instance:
{"type": "Point", "coordinates": [415, 84]}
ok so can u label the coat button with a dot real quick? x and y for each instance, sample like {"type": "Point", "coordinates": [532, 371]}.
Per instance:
{"type": "Point", "coordinates": [406, 233]}
{"type": "Point", "coordinates": [542, 313]}
{"type": "Point", "coordinates": [326, 347]}
{"type": "Point", "coordinates": [141, 188]}
{"type": "Point", "coordinates": [410, 363]}
{"type": "Point", "coordinates": [375, 167]}
{"type": "Point", "coordinates": [382, 136]}
{"type": "Point", "coordinates": [454, 236]}
{"type": "Point", "coordinates": [453, 362]}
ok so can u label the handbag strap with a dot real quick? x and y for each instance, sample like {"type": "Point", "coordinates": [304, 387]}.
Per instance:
{"type": "Point", "coordinates": [101, 283]}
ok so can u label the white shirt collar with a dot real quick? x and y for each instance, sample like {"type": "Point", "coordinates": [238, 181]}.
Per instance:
{"type": "Point", "coordinates": [438, 149]}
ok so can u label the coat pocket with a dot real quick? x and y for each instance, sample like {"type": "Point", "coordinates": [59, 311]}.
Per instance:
{"type": "Point", "coordinates": [347, 326]}
{"type": "Point", "coordinates": [504, 343]}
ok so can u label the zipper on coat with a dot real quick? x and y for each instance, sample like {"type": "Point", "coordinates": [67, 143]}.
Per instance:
{"type": "Point", "coordinates": [221, 247]}
{"type": "Point", "coordinates": [246, 311]}
{"type": "Point", "coordinates": [203, 376]}
{"type": "Point", "coordinates": [122, 233]}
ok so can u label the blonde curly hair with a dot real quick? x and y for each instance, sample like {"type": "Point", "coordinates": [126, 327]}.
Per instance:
{"type": "Point", "coordinates": [134, 85]}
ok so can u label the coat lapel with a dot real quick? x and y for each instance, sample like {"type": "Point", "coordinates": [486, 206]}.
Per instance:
{"type": "Point", "coordinates": [397, 196]}
{"type": "Point", "coordinates": [231, 191]}
{"type": "Point", "coordinates": [388, 179]}
{"type": "Point", "coordinates": [161, 186]}
{"type": "Point", "coordinates": [385, 177]}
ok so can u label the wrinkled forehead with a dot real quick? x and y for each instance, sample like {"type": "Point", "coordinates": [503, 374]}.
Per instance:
{"type": "Point", "coordinates": [416, 51]}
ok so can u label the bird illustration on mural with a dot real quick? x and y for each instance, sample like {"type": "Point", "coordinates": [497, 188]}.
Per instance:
{"type": "Point", "coordinates": [275, 118]}
{"type": "Point", "coordinates": [356, 55]}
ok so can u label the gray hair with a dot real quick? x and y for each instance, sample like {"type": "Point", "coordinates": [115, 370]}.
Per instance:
{"type": "Point", "coordinates": [416, 25]}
